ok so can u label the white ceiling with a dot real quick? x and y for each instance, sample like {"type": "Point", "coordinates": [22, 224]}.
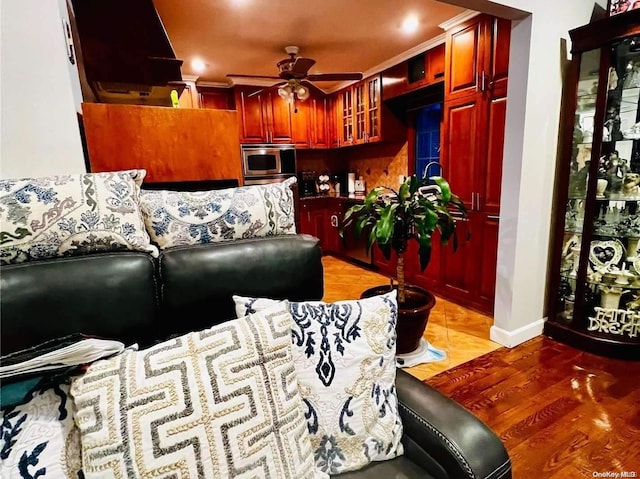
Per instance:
{"type": "Point", "coordinates": [249, 36]}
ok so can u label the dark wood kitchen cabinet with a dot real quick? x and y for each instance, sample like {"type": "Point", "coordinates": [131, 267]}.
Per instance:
{"type": "Point", "coordinates": [425, 69]}
{"type": "Point", "coordinates": [471, 152]}
{"type": "Point", "coordinates": [264, 117]}
{"type": "Point", "coordinates": [362, 117]}
{"type": "Point", "coordinates": [312, 219]}
{"type": "Point", "coordinates": [477, 56]}
{"type": "Point", "coordinates": [320, 112]}
{"type": "Point", "coordinates": [301, 123]}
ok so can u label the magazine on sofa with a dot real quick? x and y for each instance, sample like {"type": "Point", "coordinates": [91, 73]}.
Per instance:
{"type": "Point", "coordinates": [72, 350]}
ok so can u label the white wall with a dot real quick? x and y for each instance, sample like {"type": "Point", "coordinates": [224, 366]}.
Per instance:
{"type": "Point", "coordinates": [533, 112]}
{"type": "Point", "coordinates": [39, 90]}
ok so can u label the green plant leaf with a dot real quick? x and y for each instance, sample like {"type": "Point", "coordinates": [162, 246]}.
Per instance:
{"type": "Point", "coordinates": [445, 189]}
{"type": "Point", "coordinates": [424, 251]}
{"type": "Point", "coordinates": [385, 224]}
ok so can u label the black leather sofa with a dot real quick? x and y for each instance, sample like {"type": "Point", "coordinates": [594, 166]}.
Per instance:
{"type": "Point", "coordinates": [136, 298]}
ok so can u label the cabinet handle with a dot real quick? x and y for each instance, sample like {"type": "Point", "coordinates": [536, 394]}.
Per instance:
{"type": "Point", "coordinates": [484, 81]}
{"type": "Point", "coordinates": [478, 202]}
{"type": "Point", "coordinates": [334, 221]}
{"type": "Point", "coordinates": [473, 201]}
{"type": "Point", "coordinates": [493, 217]}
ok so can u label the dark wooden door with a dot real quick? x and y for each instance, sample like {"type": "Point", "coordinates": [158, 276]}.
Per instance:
{"type": "Point", "coordinates": [459, 268]}
{"type": "Point", "coordinates": [490, 178]}
{"type": "Point", "coordinates": [488, 258]}
{"type": "Point", "coordinates": [253, 126]}
{"type": "Point", "coordinates": [320, 112]}
{"type": "Point", "coordinates": [301, 124]}
{"type": "Point", "coordinates": [462, 150]}
{"type": "Point", "coordinates": [465, 58]}
{"type": "Point", "coordinates": [279, 118]}
{"type": "Point", "coordinates": [500, 43]}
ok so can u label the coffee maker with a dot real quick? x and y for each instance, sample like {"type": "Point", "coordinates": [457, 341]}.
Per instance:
{"type": "Point", "coordinates": [307, 181]}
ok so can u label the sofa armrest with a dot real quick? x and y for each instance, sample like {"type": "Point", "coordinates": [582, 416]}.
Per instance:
{"type": "Point", "coordinates": [445, 438]}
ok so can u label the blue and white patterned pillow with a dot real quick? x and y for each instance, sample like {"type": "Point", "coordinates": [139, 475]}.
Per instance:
{"type": "Point", "coordinates": [344, 357]}
{"type": "Point", "coordinates": [177, 218]}
{"type": "Point", "coordinates": [71, 214]}
{"type": "Point", "coordinates": [40, 439]}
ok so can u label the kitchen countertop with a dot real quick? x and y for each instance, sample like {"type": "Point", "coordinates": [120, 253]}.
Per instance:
{"type": "Point", "coordinates": [349, 198]}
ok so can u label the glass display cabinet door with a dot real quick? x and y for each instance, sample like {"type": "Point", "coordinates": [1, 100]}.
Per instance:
{"type": "Point", "coordinates": [581, 154]}
{"type": "Point", "coordinates": [612, 283]}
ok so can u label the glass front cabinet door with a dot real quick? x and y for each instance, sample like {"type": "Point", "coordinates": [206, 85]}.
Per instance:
{"type": "Point", "coordinates": [594, 292]}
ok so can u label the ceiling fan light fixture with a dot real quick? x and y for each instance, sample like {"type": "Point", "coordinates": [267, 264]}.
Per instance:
{"type": "Point", "coordinates": [286, 93]}
{"type": "Point", "coordinates": [302, 92]}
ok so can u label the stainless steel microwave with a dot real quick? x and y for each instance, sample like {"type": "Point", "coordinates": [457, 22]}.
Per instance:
{"type": "Point", "coordinates": [267, 160]}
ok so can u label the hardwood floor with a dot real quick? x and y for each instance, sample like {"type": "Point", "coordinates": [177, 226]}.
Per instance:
{"type": "Point", "coordinates": [462, 333]}
{"type": "Point", "coordinates": [562, 413]}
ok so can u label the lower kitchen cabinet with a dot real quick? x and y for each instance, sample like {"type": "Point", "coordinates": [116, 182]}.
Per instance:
{"type": "Point", "coordinates": [312, 219]}
{"type": "Point", "coordinates": [322, 218]}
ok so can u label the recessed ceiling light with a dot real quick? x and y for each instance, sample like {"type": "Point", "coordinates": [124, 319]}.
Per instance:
{"type": "Point", "coordinates": [410, 24]}
{"type": "Point", "coordinates": [198, 65]}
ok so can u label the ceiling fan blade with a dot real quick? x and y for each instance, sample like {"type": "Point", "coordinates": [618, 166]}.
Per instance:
{"type": "Point", "coordinates": [257, 92]}
{"type": "Point", "coordinates": [302, 65]}
{"type": "Point", "coordinates": [252, 76]}
{"type": "Point", "coordinates": [335, 76]}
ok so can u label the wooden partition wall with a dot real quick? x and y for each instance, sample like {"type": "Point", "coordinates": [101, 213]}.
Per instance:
{"type": "Point", "coordinates": [172, 144]}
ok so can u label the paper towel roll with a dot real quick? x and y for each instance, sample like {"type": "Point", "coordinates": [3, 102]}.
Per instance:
{"type": "Point", "coordinates": [351, 182]}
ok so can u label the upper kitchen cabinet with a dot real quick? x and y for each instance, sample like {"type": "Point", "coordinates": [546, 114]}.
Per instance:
{"type": "Point", "coordinates": [362, 117]}
{"type": "Point", "coordinates": [310, 121]}
{"type": "Point", "coordinates": [477, 56]}
{"type": "Point", "coordinates": [320, 108]}
{"type": "Point", "coordinates": [216, 98]}
{"type": "Point", "coordinates": [425, 69]}
{"type": "Point", "coordinates": [264, 116]}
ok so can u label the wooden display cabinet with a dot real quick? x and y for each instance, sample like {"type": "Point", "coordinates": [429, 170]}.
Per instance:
{"type": "Point", "coordinates": [594, 291]}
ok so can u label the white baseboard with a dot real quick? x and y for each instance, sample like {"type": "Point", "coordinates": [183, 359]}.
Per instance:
{"type": "Point", "coordinates": [518, 336]}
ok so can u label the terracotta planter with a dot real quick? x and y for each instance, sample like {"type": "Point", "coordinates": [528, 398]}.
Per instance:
{"type": "Point", "coordinates": [413, 315]}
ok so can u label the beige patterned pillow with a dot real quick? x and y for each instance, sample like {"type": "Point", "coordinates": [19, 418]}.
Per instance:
{"type": "Point", "coordinates": [344, 355]}
{"type": "Point", "coordinates": [176, 218]}
{"type": "Point", "coordinates": [70, 215]}
{"type": "Point", "coordinates": [218, 403]}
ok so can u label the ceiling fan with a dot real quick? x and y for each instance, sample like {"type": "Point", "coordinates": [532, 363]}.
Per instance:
{"type": "Point", "coordinates": [294, 76]}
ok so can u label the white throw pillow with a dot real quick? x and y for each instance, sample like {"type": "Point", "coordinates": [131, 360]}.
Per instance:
{"type": "Point", "coordinates": [72, 214]}
{"type": "Point", "coordinates": [177, 218]}
{"type": "Point", "coordinates": [40, 439]}
{"type": "Point", "coordinates": [218, 403]}
{"type": "Point", "coordinates": [344, 355]}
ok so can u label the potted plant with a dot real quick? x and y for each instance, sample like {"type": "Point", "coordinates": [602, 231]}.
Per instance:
{"type": "Point", "coordinates": [394, 218]}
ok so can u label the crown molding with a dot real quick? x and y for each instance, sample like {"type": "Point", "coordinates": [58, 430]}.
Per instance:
{"type": "Point", "coordinates": [190, 78]}
{"type": "Point", "coordinates": [214, 84]}
{"type": "Point", "coordinates": [458, 19]}
{"type": "Point", "coordinates": [393, 61]}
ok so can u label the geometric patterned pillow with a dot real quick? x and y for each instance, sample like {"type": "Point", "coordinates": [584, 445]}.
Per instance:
{"type": "Point", "coordinates": [177, 218]}
{"type": "Point", "coordinates": [70, 215]}
{"type": "Point", "coordinates": [40, 439]}
{"type": "Point", "coordinates": [218, 403]}
{"type": "Point", "coordinates": [344, 355]}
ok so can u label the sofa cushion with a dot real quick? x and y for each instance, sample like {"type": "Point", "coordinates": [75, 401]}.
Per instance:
{"type": "Point", "coordinates": [39, 438]}
{"type": "Point", "coordinates": [205, 277]}
{"type": "Point", "coordinates": [175, 218]}
{"type": "Point", "coordinates": [111, 295]}
{"type": "Point", "coordinates": [216, 403]}
{"type": "Point", "coordinates": [344, 355]}
{"type": "Point", "coordinates": [71, 214]}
